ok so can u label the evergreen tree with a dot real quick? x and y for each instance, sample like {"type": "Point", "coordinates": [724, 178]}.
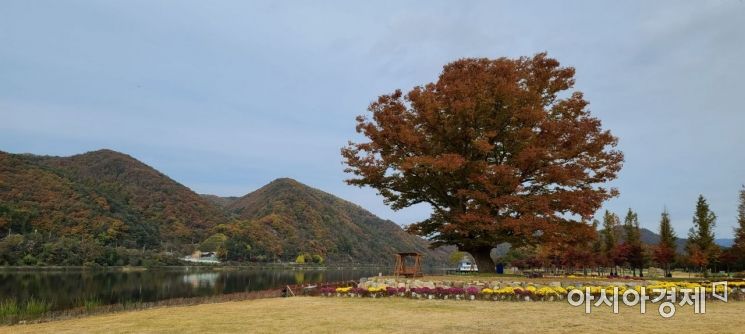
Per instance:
{"type": "Point", "coordinates": [739, 246]}
{"type": "Point", "coordinates": [631, 227]}
{"type": "Point", "coordinates": [702, 250]}
{"type": "Point", "coordinates": [634, 252]}
{"type": "Point", "coordinates": [610, 240]}
{"type": "Point", "coordinates": [666, 249]}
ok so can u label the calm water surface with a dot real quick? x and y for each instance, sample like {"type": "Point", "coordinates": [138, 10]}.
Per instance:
{"type": "Point", "coordinates": [66, 289]}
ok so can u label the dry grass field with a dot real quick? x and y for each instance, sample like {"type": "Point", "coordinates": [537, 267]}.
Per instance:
{"type": "Point", "coordinates": [395, 315]}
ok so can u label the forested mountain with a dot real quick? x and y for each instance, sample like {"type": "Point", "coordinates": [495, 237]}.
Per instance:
{"type": "Point", "coordinates": [292, 218]}
{"type": "Point", "coordinates": [96, 207]}
{"type": "Point", "coordinates": [107, 208]}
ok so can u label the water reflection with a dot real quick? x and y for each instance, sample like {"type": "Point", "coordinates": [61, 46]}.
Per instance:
{"type": "Point", "coordinates": [69, 288]}
{"type": "Point", "coordinates": [201, 280]}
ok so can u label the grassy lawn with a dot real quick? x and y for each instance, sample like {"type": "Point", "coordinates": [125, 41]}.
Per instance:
{"type": "Point", "coordinates": [386, 315]}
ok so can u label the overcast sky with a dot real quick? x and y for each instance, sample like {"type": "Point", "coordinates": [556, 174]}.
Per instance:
{"type": "Point", "coordinates": [226, 96]}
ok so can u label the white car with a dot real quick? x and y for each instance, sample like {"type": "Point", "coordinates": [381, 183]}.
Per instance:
{"type": "Point", "coordinates": [467, 266]}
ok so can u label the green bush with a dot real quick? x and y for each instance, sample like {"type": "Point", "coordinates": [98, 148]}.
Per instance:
{"type": "Point", "coordinates": [300, 259]}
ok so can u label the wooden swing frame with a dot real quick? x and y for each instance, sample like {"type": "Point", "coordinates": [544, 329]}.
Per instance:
{"type": "Point", "coordinates": [402, 270]}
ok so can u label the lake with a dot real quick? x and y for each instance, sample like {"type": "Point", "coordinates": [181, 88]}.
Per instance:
{"type": "Point", "coordinates": [67, 289]}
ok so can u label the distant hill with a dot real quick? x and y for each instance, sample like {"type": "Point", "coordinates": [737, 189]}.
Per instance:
{"type": "Point", "coordinates": [651, 238]}
{"type": "Point", "coordinates": [727, 243]}
{"type": "Point", "coordinates": [296, 218]}
{"type": "Point", "coordinates": [222, 202]}
{"type": "Point", "coordinates": [108, 208]}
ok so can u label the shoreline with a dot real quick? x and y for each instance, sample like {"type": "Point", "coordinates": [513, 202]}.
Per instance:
{"type": "Point", "coordinates": [288, 267]}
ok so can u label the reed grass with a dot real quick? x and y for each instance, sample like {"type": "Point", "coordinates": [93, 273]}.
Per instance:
{"type": "Point", "coordinates": [91, 304]}
{"type": "Point", "coordinates": [37, 310]}
{"type": "Point", "coordinates": [11, 311]}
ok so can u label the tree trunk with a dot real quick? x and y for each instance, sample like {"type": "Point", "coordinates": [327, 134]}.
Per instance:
{"type": "Point", "coordinates": [483, 260]}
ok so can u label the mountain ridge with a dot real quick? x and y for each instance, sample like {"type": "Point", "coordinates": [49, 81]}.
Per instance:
{"type": "Point", "coordinates": [115, 204]}
{"type": "Point", "coordinates": [649, 237]}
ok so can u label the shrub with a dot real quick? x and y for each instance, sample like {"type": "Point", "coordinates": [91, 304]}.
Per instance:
{"type": "Point", "coordinates": [29, 260]}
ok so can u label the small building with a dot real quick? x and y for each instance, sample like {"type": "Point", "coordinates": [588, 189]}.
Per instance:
{"type": "Point", "coordinates": [202, 257]}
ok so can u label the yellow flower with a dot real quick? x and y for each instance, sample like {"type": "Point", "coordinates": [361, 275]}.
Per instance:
{"type": "Point", "coordinates": [487, 291]}
{"type": "Point", "coordinates": [343, 290]}
{"type": "Point", "coordinates": [609, 289]}
{"type": "Point", "coordinates": [545, 291]}
{"type": "Point", "coordinates": [737, 284]}
{"type": "Point", "coordinates": [374, 289]}
{"type": "Point", "coordinates": [719, 289]}
{"type": "Point", "coordinates": [688, 285]}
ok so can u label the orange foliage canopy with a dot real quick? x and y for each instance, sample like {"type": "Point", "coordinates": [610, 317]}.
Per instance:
{"type": "Point", "coordinates": [500, 149]}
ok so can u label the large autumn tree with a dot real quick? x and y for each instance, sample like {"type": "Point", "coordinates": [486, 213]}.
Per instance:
{"type": "Point", "coordinates": [502, 149]}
